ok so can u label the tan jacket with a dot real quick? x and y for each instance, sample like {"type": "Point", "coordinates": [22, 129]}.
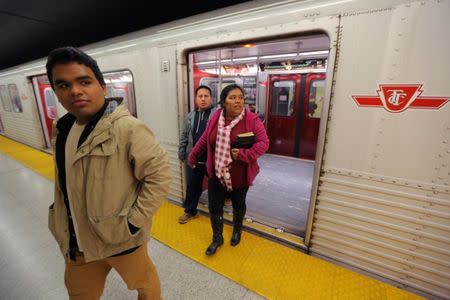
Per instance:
{"type": "Point", "coordinates": [123, 175]}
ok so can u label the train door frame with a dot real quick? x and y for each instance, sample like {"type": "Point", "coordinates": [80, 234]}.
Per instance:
{"type": "Point", "coordinates": [40, 106]}
{"type": "Point", "coordinates": [323, 128]}
{"type": "Point", "coordinates": [185, 98]}
{"type": "Point", "coordinates": [320, 137]}
{"type": "Point", "coordinates": [325, 26]}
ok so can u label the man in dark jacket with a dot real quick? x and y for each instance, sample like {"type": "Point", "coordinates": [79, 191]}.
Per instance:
{"type": "Point", "coordinates": [193, 128]}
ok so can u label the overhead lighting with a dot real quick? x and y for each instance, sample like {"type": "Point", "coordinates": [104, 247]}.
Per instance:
{"type": "Point", "coordinates": [310, 53]}
{"type": "Point", "coordinates": [245, 58]}
{"type": "Point", "coordinates": [279, 55]}
{"type": "Point", "coordinates": [209, 62]}
{"type": "Point", "coordinates": [248, 45]}
{"type": "Point", "coordinates": [252, 58]}
{"type": "Point", "coordinates": [313, 53]}
{"type": "Point", "coordinates": [295, 70]}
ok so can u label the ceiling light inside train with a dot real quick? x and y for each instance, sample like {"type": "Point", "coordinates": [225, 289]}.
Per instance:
{"type": "Point", "coordinates": [313, 53]}
{"type": "Point", "coordinates": [254, 58]}
{"type": "Point", "coordinates": [245, 58]}
{"type": "Point", "coordinates": [209, 62]}
{"type": "Point", "coordinates": [279, 55]}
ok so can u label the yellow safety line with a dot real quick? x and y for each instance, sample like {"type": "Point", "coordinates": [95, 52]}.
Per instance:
{"type": "Point", "coordinates": [265, 267]}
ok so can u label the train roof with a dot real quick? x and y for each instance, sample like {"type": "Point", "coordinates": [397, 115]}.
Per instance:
{"type": "Point", "coordinates": [242, 16]}
{"type": "Point", "coordinates": [30, 29]}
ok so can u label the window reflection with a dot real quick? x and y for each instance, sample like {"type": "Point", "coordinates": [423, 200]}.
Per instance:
{"type": "Point", "coordinates": [120, 84]}
{"type": "Point", "coordinates": [283, 98]}
{"type": "Point", "coordinates": [15, 98]}
{"type": "Point", "coordinates": [316, 96]}
{"type": "Point", "coordinates": [6, 102]}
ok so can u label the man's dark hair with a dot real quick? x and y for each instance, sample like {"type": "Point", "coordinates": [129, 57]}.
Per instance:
{"type": "Point", "coordinates": [203, 87]}
{"type": "Point", "coordinates": [226, 90]}
{"type": "Point", "coordinates": [66, 55]}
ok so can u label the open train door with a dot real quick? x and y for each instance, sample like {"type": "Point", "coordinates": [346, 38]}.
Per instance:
{"type": "Point", "coordinates": [283, 113]}
{"type": "Point", "coordinates": [46, 102]}
{"type": "Point", "coordinates": [283, 195]}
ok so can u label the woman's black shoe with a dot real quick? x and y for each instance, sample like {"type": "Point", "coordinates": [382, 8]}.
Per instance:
{"type": "Point", "coordinates": [213, 247]}
{"type": "Point", "coordinates": [236, 237]}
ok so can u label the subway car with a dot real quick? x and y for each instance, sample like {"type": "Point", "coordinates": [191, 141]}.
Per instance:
{"type": "Point", "coordinates": [354, 97]}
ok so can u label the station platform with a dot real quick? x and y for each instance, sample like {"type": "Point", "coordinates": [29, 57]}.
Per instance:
{"type": "Point", "coordinates": [31, 266]}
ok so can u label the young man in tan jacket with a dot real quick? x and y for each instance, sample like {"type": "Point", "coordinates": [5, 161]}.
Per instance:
{"type": "Point", "coordinates": [111, 176]}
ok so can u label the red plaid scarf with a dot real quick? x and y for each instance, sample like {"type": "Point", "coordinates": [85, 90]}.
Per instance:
{"type": "Point", "coordinates": [222, 154]}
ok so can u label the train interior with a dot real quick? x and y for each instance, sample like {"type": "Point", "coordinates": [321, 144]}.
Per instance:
{"type": "Point", "coordinates": [285, 81]}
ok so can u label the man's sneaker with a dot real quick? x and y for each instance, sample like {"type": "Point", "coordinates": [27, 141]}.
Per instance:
{"type": "Point", "coordinates": [185, 218]}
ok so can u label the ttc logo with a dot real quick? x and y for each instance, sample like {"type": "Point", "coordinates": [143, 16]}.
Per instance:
{"type": "Point", "coordinates": [398, 97]}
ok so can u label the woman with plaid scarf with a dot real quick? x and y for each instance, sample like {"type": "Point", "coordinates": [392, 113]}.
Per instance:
{"type": "Point", "coordinates": [231, 170]}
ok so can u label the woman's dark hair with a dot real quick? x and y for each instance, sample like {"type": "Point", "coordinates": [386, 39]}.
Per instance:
{"type": "Point", "coordinates": [203, 87]}
{"type": "Point", "coordinates": [226, 90]}
{"type": "Point", "coordinates": [66, 55]}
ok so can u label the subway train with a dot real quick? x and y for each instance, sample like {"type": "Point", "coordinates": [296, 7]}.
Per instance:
{"type": "Point", "coordinates": [354, 97]}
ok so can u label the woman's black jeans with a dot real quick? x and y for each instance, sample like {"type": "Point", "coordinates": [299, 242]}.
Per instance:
{"type": "Point", "coordinates": [217, 194]}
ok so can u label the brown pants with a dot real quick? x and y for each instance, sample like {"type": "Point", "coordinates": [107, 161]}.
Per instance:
{"type": "Point", "coordinates": [86, 281]}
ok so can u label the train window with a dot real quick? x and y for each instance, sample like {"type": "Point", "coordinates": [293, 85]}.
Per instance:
{"type": "Point", "coordinates": [6, 101]}
{"type": "Point", "coordinates": [316, 95]}
{"type": "Point", "coordinates": [120, 84]}
{"type": "Point", "coordinates": [283, 98]}
{"type": "Point", "coordinates": [249, 85]}
{"type": "Point", "coordinates": [15, 97]}
{"type": "Point", "coordinates": [50, 103]}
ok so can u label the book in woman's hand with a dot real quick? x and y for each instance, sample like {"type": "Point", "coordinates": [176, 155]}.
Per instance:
{"type": "Point", "coordinates": [245, 140]}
